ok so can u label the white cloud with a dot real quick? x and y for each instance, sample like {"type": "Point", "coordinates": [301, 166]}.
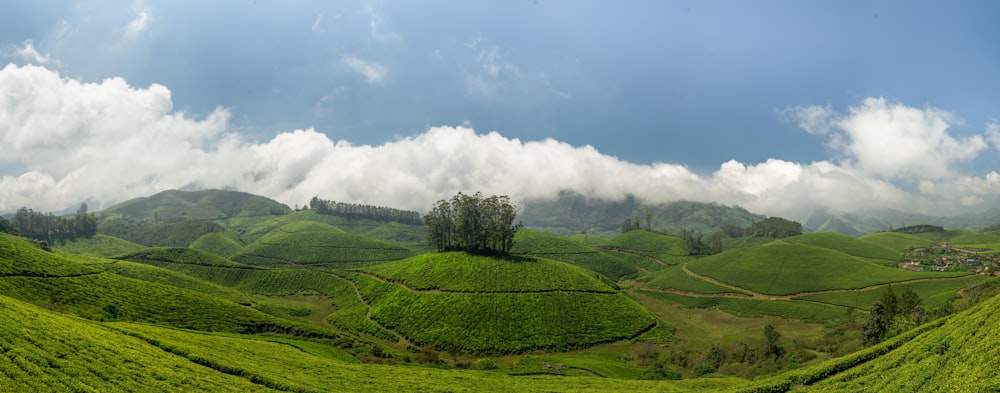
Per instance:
{"type": "Point", "coordinates": [373, 72]}
{"type": "Point", "coordinates": [29, 53]}
{"type": "Point", "coordinates": [317, 25]}
{"type": "Point", "coordinates": [993, 134]}
{"type": "Point", "coordinates": [67, 142]}
{"type": "Point", "coordinates": [892, 140]}
{"type": "Point", "coordinates": [139, 24]}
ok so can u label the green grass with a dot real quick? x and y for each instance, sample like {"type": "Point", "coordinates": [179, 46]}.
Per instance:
{"type": "Point", "coordinates": [223, 244]}
{"type": "Point", "coordinates": [44, 351]}
{"type": "Point", "coordinates": [98, 246]}
{"type": "Point", "coordinates": [561, 248]}
{"type": "Point", "coordinates": [588, 239]}
{"type": "Point", "coordinates": [962, 355]}
{"type": "Point", "coordinates": [847, 245]}
{"type": "Point", "coordinates": [175, 205]}
{"type": "Point", "coordinates": [779, 268]}
{"type": "Point", "coordinates": [302, 243]}
{"type": "Point", "coordinates": [290, 368]}
{"type": "Point", "coordinates": [655, 245]}
{"type": "Point", "coordinates": [751, 308]}
{"type": "Point", "coordinates": [897, 241]}
{"type": "Point", "coordinates": [933, 293]}
{"type": "Point", "coordinates": [944, 236]}
{"type": "Point", "coordinates": [385, 231]}
{"type": "Point", "coordinates": [178, 255]}
{"type": "Point", "coordinates": [20, 256]}
{"type": "Point", "coordinates": [499, 323]}
{"type": "Point", "coordinates": [676, 278]}
{"type": "Point", "coordinates": [461, 272]}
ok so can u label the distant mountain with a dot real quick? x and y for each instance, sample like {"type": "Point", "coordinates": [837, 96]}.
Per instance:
{"type": "Point", "coordinates": [176, 205]}
{"type": "Point", "coordinates": [571, 213]}
{"type": "Point", "coordinates": [866, 222]}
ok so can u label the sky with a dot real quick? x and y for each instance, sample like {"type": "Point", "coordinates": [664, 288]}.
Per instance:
{"type": "Point", "coordinates": [781, 107]}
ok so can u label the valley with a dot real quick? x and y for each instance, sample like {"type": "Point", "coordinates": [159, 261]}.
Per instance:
{"type": "Point", "coordinates": [225, 291]}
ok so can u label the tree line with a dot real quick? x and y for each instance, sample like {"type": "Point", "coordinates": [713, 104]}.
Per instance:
{"type": "Point", "coordinates": [354, 210]}
{"type": "Point", "coordinates": [473, 223]}
{"type": "Point", "coordinates": [37, 225]}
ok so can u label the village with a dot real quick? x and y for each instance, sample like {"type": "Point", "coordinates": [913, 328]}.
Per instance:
{"type": "Point", "coordinates": [945, 258]}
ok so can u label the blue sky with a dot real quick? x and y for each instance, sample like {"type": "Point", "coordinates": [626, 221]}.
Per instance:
{"type": "Point", "coordinates": [648, 84]}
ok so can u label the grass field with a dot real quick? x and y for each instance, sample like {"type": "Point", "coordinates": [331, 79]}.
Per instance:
{"type": "Point", "coordinates": [499, 323]}
{"type": "Point", "coordinates": [651, 244]}
{"type": "Point", "coordinates": [547, 245]}
{"type": "Point", "coordinates": [303, 243]}
{"type": "Point", "coordinates": [461, 272]}
{"type": "Point", "coordinates": [675, 278]}
{"type": "Point", "coordinates": [779, 268]}
{"type": "Point", "coordinates": [897, 241]}
{"type": "Point", "coordinates": [223, 244]}
{"type": "Point", "coordinates": [98, 246]}
{"type": "Point", "coordinates": [847, 245]}
{"type": "Point", "coordinates": [933, 293]}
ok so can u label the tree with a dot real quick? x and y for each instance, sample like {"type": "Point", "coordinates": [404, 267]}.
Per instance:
{"type": "Point", "coordinates": [876, 325]}
{"type": "Point", "coordinates": [775, 228]}
{"type": "Point", "coordinates": [771, 337]}
{"type": "Point", "coordinates": [716, 356]}
{"type": "Point", "coordinates": [909, 301]}
{"type": "Point", "coordinates": [7, 227]}
{"type": "Point", "coordinates": [890, 302]}
{"type": "Point", "coordinates": [473, 224]}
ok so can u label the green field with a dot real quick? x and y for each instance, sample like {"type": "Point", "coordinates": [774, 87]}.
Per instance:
{"type": "Point", "coordinates": [789, 309]}
{"type": "Point", "coordinates": [847, 245]}
{"type": "Point", "coordinates": [547, 245]}
{"type": "Point", "coordinates": [98, 246]}
{"type": "Point", "coordinates": [223, 244]}
{"type": "Point", "coordinates": [779, 268]}
{"type": "Point", "coordinates": [897, 241]}
{"type": "Point", "coordinates": [933, 293]}
{"type": "Point", "coordinates": [675, 278]}
{"type": "Point", "coordinates": [304, 243]}
{"type": "Point", "coordinates": [500, 323]}
{"type": "Point", "coordinates": [461, 272]}
{"type": "Point", "coordinates": [650, 244]}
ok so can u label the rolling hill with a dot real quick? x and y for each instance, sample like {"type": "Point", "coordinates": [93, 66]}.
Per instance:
{"type": "Point", "coordinates": [176, 205]}
{"type": "Point", "coordinates": [780, 268]}
{"type": "Point", "coordinates": [305, 242]}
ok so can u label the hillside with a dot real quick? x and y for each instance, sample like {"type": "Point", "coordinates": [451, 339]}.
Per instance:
{"type": "Point", "coordinates": [897, 241]}
{"type": "Point", "coordinates": [847, 245]}
{"type": "Point", "coordinates": [307, 242]}
{"type": "Point", "coordinates": [495, 306]}
{"type": "Point", "coordinates": [780, 268]}
{"type": "Point", "coordinates": [176, 205]}
{"type": "Point", "coordinates": [561, 248]}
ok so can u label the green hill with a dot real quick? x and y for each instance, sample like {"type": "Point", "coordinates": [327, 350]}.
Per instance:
{"type": "Point", "coordinates": [561, 248]}
{"type": "Point", "coordinates": [461, 272]}
{"type": "Point", "coordinates": [98, 245]}
{"type": "Point", "coordinates": [977, 238]}
{"type": "Point", "coordinates": [650, 244]}
{"type": "Point", "coordinates": [393, 232]}
{"type": "Point", "coordinates": [223, 244]}
{"type": "Point", "coordinates": [897, 241]}
{"type": "Point", "coordinates": [495, 305]}
{"type": "Point", "coordinates": [847, 245]}
{"type": "Point", "coordinates": [176, 205]}
{"type": "Point", "coordinates": [780, 268]}
{"type": "Point", "coordinates": [308, 243]}
{"type": "Point", "coordinates": [178, 255]}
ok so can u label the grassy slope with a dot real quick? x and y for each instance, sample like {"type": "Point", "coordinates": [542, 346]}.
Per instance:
{"type": "Point", "coordinates": [304, 243]}
{"type": "Point", "coordinates": [504, 322]}
{"type": "Point", "coordinates": [384, 231]}
{"type": "Point", "coordinates": [531, 242]}
{"type": "Point", "coordinates": [173, 205]}
{"type": "Point", "coordinates": [655, 245]}
{"type": "Point", "coordinates": [897, 241]}
{"type": "Point", "coordinates": [48, 351]}
{"type": "Point", "coordinates": [933, 293]}
{"type": "Point", "coordinates": [847, 245]}
{"type": "Point", "coordinates": [223, 244]}
{"type": "Point", "coordinates": [780, 268]}
{"type": "Point", "coordinates": [461, 272]}
{"type": "Point", "coordinates": [676, 278]}
{"type": "Point", "coordinates": [98, 245]}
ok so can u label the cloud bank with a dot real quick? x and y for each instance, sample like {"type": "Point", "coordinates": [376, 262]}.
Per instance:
{"type": "Point", "coordinates": [65, 142]}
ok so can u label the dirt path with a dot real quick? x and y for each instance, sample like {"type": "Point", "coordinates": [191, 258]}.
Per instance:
{"type": "Point", "coordinates": [368, 314]}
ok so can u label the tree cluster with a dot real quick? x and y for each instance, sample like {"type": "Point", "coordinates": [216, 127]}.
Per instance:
{"type": "Point", "coordinates": [913, 229]}
{"type": "Point", "coordinates": [892, 314]}
{"type": "Point", "coordinates": [775, 228]}
{"type": "Point", "coordinates": [696, 244]}
{"type": "Point", "coordinates": [473, 223]}
{"type": "Point", "coordinates": [37, 225]}
{"type": "Point", "coordinates": [370, 212]}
